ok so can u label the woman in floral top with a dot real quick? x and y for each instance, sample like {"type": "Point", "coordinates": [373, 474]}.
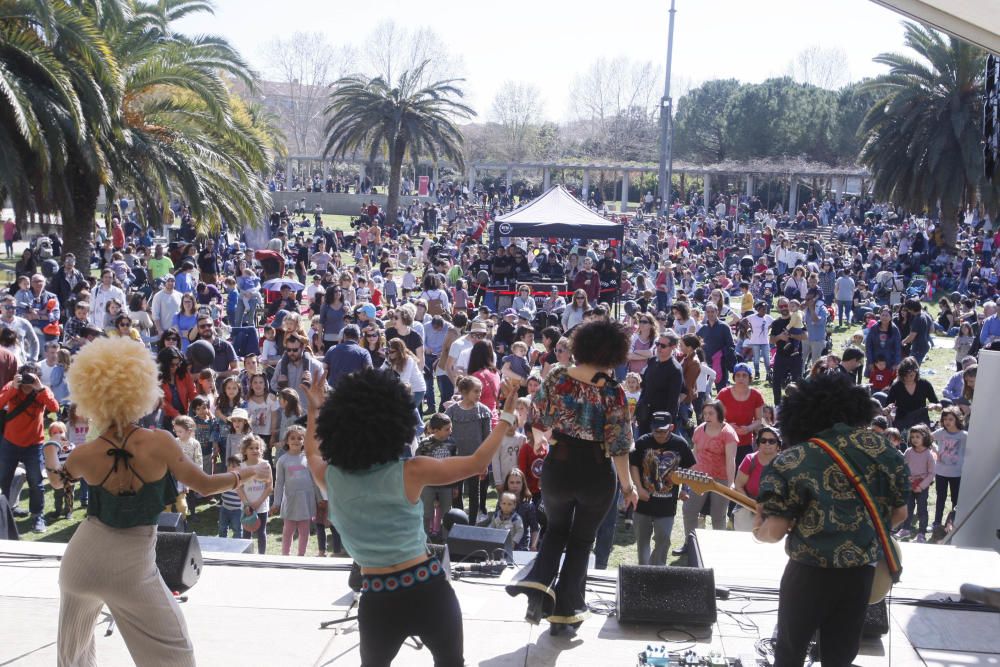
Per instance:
{"type": "Point", "coordinates": [581, 414]}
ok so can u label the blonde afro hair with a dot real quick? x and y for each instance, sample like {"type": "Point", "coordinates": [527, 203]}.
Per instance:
{"type": "Point", "coordinates": [113, 381]}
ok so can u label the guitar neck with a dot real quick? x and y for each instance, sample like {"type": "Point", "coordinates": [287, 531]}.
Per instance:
{"type": "Point", "coordinates": [702, 483]}
{"type": "Point", "coordinates": [735, 496]}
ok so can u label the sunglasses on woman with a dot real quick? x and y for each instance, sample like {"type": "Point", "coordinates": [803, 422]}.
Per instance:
{"type": "Point", "coordinates": [767, 441]}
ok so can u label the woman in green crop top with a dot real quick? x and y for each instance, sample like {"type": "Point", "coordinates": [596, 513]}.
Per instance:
{"type": "Point", "coordinates": [132, 473]}
{"type": "Point", "coordinates": [354, 452]}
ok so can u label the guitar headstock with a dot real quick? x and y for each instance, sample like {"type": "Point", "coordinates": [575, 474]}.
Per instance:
{"type": "Point", "coordinates": [699, 481]}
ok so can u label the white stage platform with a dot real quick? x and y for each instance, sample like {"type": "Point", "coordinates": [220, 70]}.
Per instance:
{"type": "Point", "coordinates": [275, 619]}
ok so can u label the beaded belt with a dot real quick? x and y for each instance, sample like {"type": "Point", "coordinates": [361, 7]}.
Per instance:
{"type": "Point", "coordinates": [418, 574]}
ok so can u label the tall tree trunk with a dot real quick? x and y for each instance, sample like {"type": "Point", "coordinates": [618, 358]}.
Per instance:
{"type": "Point", "coordinates": [79, 225]}
{"type": "Point", "coordinates": [395, 176]}
{"type": "Point", "coordinates": [949, 227]}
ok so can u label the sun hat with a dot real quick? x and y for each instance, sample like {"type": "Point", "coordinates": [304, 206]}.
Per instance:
{"type": "Point", "coordinates": [240, 413]}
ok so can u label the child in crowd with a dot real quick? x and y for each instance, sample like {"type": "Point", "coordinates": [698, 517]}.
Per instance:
{"type": "Point", "coordinates": [269, 354]}
{"type": "Point", "coordinates": [950, 441]}
{"type": "Point", "coordinates": [460, 298]}
{"type": "Point", "coordinates": [390, 290]}
{"type": "Point", "coordinates": [255, 494]}
{"type": "Point", "coordinates": [184, 428]}
{"type": "Point", "coordinates": [515, 365]}
{"type": "Point", "coordinates": [471, 424]}
{"type": "Point", "coordinates": [239, 428]}
{"type": "Point", "coordinates": [77, 428]}
{"type": "Point", "coordinates": [530, 463]}
{"type": "Point", "coordinates": [517, 484]}
{"type": "Point", "coordinates": [294, 492]}
{"type": "Point", "coordinates": [206, 432]}
{"type": "Point", "coordinates": [506, 516]}
{"type": "Point", "coordinates": [963, 343]}
{"type": "Point", "coordinates": [793, 347]}
{"type": "Point", "coordinates": [62, 497]}
{"type": "Point", "coordinates": [505, 459]}
{"type": "Point", "coordinates": [231, 508]}
{"type": "Point", "coordinates": [409, 281]}
{"type": "Point", "coordinates": [437, 444]}
{"type": "Point", "coordinates": [289, 412]}
{"type": "Point", "coordinates": [880, 424]}
{"type": "Point", "coordinates": [232, 297]}
{"type": "Point", "coordinates": [75, 324]}
{"type": "Point", "coordinates": [895, 438]}
{"type": "Point", "coordinates": [920, 461]}
{"type": "Point", "coordinates": [880, 375]}
{"type": "Point", "coordinates": [633, 388]}
{"type": "Point", "coordinates": [205, 385]}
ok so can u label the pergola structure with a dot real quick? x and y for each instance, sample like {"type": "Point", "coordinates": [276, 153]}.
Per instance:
{"type": "Point", "coordinates": [791, 170]}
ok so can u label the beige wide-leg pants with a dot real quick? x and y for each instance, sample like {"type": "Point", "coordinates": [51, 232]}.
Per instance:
{"type": "Point", "coordinates": [117, 567]}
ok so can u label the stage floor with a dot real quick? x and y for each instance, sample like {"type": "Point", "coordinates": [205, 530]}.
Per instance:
{"type": "Point", "coordinates": [275, 619]}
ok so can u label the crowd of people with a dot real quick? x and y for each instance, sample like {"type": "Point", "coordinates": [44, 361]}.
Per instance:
{"type": "Point", "coordinates": [721, 309]}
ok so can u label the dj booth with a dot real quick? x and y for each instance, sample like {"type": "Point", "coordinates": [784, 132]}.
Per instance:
{"type": "Point", "coordinates": [500, 295]}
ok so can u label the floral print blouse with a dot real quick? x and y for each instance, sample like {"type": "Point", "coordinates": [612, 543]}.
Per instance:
{"type": "Point", "coordinates": [584, 411]}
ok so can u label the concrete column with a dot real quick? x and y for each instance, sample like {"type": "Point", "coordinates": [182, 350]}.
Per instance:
{"type": "Point", "coordinates": [708, 191]}
{"type": "Point", "coordinates": [472, 178]}
{"type": "Point", "coordinates": [586, 185]}
{"type": "Point", "coordinates": [546, 178]}
{"type": "Point", "coordinates": [750, 185]}
{"type": "Point", "coordinates": [288, 174]}
{"type": "Point", "coordinates": [361, 175]}
{"type": "Point", "coordinates": [434, 177]}
{"type": "Point", "coordinates": [626, 177]}
{"type": "Point", "coordinates": [793, 193]}
{"type": "Point", "coordinates": [510, 179]}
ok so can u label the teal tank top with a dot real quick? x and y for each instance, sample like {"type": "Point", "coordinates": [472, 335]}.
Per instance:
{"type": "Point", "coordinates": [377, 522]}
{"type": "Point", "coordinates": [141, 508]}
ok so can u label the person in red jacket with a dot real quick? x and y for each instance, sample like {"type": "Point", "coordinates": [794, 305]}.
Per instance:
{"type": "Point", "coordinates": [177, 383]}
{"type": "Point", "coordinates": [26, 402]}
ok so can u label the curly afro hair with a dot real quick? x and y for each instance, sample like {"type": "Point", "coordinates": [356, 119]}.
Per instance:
{"type": "Point", "coordinates": [812, 405]}
{"type": "Point", "coordinates": [114, 382]}
{"type": "Point", "coordinates": [602, 343]}
{"type": "Point", "coordinates": [366, 420]}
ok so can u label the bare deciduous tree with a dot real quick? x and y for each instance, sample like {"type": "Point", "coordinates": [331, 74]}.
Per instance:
{"type": "Point", "coordinates": [618, 99]}
{"type": "Point", "coordinates": [824, 67]}
{"type": "Point", "coordinates": [517, 108]}
{"type": "Point", "coordinates": [390, 49]}
{"type": "Point", "coordinates": [301, 68]}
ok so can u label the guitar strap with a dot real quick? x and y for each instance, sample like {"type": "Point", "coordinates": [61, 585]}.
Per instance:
{"type": "Point", "coordinates": [881, 531]}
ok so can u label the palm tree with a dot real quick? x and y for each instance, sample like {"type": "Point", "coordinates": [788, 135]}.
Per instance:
{"type": "Point", "coordinates": [58, 92]}
{"type": "Point", "coordinates": [374, 116]}
{"type": "Point", "coordinates": [179, 133]}
{"type": "Point", "coordinates": [924, 132]}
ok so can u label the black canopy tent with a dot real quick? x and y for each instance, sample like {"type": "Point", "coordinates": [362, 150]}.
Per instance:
{"type": "Point", "coordinates": [556, 214]}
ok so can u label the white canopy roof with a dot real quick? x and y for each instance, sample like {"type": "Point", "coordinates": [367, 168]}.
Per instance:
{"type": "Point", "coordinates": [976, 21]}
{"type": "Point", "coordinates": [559, 214]}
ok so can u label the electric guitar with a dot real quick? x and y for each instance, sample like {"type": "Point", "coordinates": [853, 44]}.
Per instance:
{"type": "Point", "coordinates": [702, 483]}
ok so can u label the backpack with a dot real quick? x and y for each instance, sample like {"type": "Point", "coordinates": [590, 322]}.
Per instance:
{"type": "Point", "coordinates": [435, 307]}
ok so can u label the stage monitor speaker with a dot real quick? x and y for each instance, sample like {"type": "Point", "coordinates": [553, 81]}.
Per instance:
{"type": "Point", "coordinates": [666, 595]}
{"type": "Point", "coordinates": [171, 522]}
{"type": "Point", "coordinates": [474, 543]}
{"type": "Point", "coordinates": [876, 620]}
{"type": "Point", "coordinates": [178, 558]}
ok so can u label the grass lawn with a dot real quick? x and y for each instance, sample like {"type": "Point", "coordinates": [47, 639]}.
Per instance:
{"type": "Point", "coordinates": [937, 368]}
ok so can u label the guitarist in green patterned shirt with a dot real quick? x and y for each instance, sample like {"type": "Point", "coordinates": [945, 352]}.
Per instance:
{"type": "Point", "coordinates": [833, 545]}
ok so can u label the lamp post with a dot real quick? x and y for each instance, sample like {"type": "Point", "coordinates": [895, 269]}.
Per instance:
{"type": "Point", "coordinates": [667, 124]}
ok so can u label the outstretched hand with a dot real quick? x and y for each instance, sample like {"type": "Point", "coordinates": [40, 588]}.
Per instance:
{"type": "Point", "coordinates": [316, 392]}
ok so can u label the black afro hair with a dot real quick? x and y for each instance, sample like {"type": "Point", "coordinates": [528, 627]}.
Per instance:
{"type": "Point", "coordinates": [812, 405]}
{"type": "Point", "coordinates": [366, 420]}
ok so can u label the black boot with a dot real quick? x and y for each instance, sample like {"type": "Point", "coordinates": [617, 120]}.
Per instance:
{"type": "Point", "coordinates": [541, 599]}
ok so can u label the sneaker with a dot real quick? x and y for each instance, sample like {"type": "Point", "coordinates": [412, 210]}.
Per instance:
{"type": "Point", "coordinates": [20, 512]}
{"type": "Point", "coordinates": [921, 538]}
{"type": "Point", "coordinates": [904, 534]}
{"type": "Point", "coordinates": [38, 524]}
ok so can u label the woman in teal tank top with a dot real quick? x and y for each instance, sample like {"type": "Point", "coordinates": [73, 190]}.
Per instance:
{"type": "Point", "coordinates": [132, 471]}
{"type": "Point", "coordinates": [355, 439]}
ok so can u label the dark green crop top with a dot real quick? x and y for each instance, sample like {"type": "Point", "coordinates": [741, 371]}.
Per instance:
{"type": "Point", "coordinates": [138, 508]}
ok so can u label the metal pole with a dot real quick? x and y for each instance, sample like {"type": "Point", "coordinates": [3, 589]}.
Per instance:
{"type": "Point", "coordinates": [666, 123]}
